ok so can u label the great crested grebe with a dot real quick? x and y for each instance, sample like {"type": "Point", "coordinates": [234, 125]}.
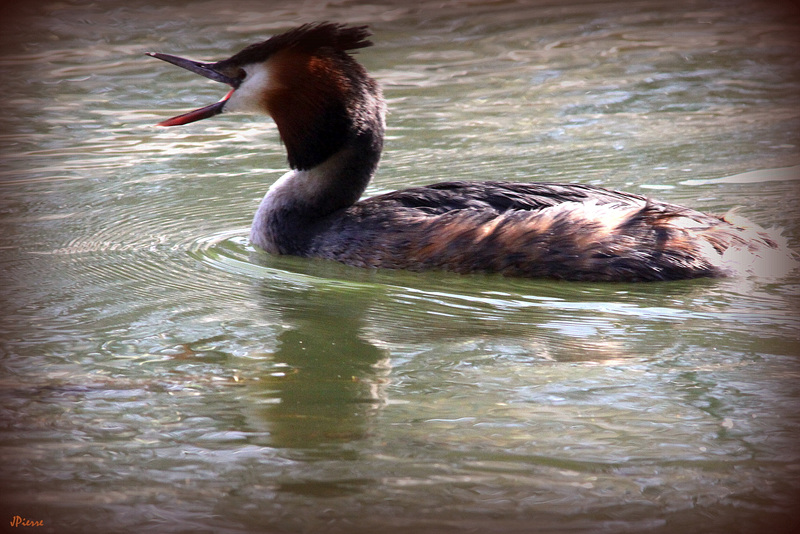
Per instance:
{"type": "Point", "coordinates": [330, 117]}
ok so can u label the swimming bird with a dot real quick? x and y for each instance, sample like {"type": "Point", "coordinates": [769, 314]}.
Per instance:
{"type": "Point", "coordinates": [330, 117]}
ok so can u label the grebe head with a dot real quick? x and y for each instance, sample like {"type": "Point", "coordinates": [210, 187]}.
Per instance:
{"type": "Point", "coordinates": [320, 98]}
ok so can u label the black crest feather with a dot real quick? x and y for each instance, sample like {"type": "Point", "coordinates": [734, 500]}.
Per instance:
{"type": "Point", "coordinates": [308, 38]}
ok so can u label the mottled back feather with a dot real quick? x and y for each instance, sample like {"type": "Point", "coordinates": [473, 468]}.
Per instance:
{"type": "Point", "coordinates": [561, 231]}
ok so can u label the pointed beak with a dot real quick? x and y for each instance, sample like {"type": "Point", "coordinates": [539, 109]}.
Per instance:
{"type": "Point", "coordinates": [206, 70]}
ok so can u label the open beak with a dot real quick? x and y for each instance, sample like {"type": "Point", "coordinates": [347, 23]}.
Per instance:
{"type": "Point", "coordinates": [203, 69]}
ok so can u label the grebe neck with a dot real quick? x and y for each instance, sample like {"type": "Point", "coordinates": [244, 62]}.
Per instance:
{"type": "Point", "coordinates": [298, 205]}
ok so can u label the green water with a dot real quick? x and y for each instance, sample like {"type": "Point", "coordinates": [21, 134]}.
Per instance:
{"type": "Point", "coordinates": [158, 374]}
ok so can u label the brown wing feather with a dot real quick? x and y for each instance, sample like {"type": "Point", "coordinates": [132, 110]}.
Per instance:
{"type": "Point", "coordinates": [534, 230]}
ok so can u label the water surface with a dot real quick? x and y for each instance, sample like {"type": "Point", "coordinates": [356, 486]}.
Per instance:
{"type": "Point", "coordinates": [159, 374]}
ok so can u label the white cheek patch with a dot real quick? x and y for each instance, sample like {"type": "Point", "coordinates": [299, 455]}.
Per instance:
{"type": "Point", "coordinates": [249, 96]}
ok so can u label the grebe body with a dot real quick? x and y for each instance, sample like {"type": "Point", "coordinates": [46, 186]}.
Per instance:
{"type": "Point", "coordinates": [330, 116]}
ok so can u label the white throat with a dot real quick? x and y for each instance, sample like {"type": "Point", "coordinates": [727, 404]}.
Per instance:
{"type": "Point", "coordinates": [283, 194]}
{"type": "Point", "coordinates": [295, 192]}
